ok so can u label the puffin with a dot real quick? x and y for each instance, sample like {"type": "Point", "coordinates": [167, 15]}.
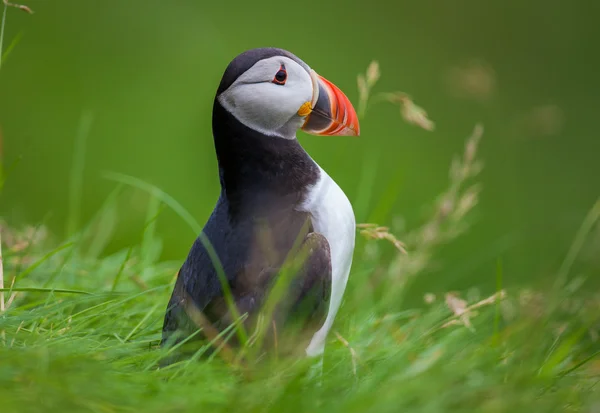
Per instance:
{"type": "Point", "coordinates": [276, 206]}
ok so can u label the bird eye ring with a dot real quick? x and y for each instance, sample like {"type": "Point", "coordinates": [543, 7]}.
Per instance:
{"type": "Point", "coordinates": [280, 76]}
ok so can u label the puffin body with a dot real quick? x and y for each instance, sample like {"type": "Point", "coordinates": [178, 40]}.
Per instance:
{"type": "Point", "coordinates": [276, 205]}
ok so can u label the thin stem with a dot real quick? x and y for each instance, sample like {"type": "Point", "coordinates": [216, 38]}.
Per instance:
{"type": "Point", "coordinates": [2, 333]}
{"type": "Point", "coordinates": [77, 170]}
{"type": "Point", "coordinates": [2, 31]}
{"type": "Point", "coordinates": [1, 278]}
{"type": "Point", "coordinates": [588, 223]}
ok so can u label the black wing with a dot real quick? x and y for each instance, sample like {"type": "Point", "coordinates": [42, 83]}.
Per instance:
{"type": "Point", "coordinates": [252, 253]}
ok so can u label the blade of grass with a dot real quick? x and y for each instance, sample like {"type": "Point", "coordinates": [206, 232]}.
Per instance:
{"type": "Point", "coordinates": [223, 350]}
{"type": "Point", "coordinates": [172, 349]}
{"type": "Point", "coordinates": [498, 314]}
{"type": "Point", "coordinates": [142, 321]}
{"type": "Point", "coordinates": [11, 46]}
{"type": "Point", "coordinates": [45, 290]}
{"type": "Point", "coordinates": [586, 226]}
{"type": "Point", "coordinates": [560, 353]}
{"type": "Point", "coordinates": [121, 269]}
{"type": "Point", "coordinates": [242, 335]}
{"type": "Point", "coordinates": [293, 261]}
{"type": "Point", "coordinates": [1, 277]}
{"type": "Point", "coordinates": [110, 305]}
{"type": "Point", "coordinates": [215, 336]}
{"type": "Point", "coordinates": [578, 365]}
{"type": "Point", "coordinates": [189, 219]}
{"type": "Point", "coordinates": [76, 175]}
{"type": "Point", "coordinates": [101, 227]}
{"type": "Point", "coordinates": [4, 173]}
{"type": "Point", "coordinates": [59, 268]}
{"type": "Point", "coordinates": [160, 194]}
{"type": "Point", "coordinates": [155, 208]}
{"type": "Point", "coordinates": [2, 27]}
{"type": "Point", "coordinates": [39, 262]}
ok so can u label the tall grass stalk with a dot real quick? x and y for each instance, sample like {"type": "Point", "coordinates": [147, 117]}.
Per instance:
{"type": "Point", "coordinates": [586, 227]}
{"type": "Point", "coordinates": [1, 277]}
{"type": "Point", "coordinates": [76, 175]}
{"type": "Point", "coordinates": [6, 5]}
{"type": "Point", "coordinates": [2, 26]}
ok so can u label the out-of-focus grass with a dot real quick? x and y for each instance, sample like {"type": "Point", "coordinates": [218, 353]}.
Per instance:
{"type": "Point", "coordinates": [79, 331]}
{"type": "Point", "coordinates": [98, 352]}
{"type": "Point", "coordinates": [91, 344]}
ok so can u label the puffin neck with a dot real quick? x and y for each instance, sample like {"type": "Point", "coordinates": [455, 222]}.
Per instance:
{"type": "Point", "coordinates": [251, 162]}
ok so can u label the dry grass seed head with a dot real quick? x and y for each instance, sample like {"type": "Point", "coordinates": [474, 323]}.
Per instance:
{"type": "Point", "coordinates": [375, 232]}
{"type": "Point", "coordinates": [373, 73]}
{"type": "Point", "coordinates": [475, 80]}
{"type": "Point", "coordinates": [26, 9]}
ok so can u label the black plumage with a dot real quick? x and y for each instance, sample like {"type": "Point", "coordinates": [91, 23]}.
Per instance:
{"type": "Point", "coordinates": [254, 225]}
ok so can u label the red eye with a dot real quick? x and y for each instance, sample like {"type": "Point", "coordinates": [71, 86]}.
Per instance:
{"type": "Point", "coordinates": [280, 76]}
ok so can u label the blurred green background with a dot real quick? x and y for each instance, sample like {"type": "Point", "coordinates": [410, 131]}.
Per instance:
{"type": "Point", "coordinates": [147, 72]}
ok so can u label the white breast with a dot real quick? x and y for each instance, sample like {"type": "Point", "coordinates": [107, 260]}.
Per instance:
{"type": "Point", "coordinates": [333, 217]}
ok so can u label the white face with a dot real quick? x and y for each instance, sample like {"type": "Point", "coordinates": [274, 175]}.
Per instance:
{"type": "Point", "coordinates": [261, 102]}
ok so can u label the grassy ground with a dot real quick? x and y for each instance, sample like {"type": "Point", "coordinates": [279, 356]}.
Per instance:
{"type": "Point", "coordinates": [66, 351]}
{"type": "Point", "coordinates": [79, 330]}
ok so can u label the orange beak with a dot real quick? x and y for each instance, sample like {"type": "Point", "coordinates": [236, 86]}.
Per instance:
{"type": "Point", "coordinates": [331, 113]}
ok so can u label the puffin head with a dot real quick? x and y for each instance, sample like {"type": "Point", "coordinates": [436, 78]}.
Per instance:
{"type": "Point", "coordinates": [275, 93]}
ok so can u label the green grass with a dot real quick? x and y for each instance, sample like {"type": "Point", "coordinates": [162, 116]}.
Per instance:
{"type": "Point", "coordinates": [63, 350]}
{"type": "Point", "coordinates": [89, 341]}
{"type": "Point", "coordinates": [80, 330]}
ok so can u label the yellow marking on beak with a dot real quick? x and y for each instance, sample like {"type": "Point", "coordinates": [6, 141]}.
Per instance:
{"type": "Point", "coordinates": [305, 109]}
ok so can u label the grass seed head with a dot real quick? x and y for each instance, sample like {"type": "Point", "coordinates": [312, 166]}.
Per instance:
{"type": "Point", "coordinates": [26, 9]}
{"type": "Point", "coordinates": [373, 73]}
